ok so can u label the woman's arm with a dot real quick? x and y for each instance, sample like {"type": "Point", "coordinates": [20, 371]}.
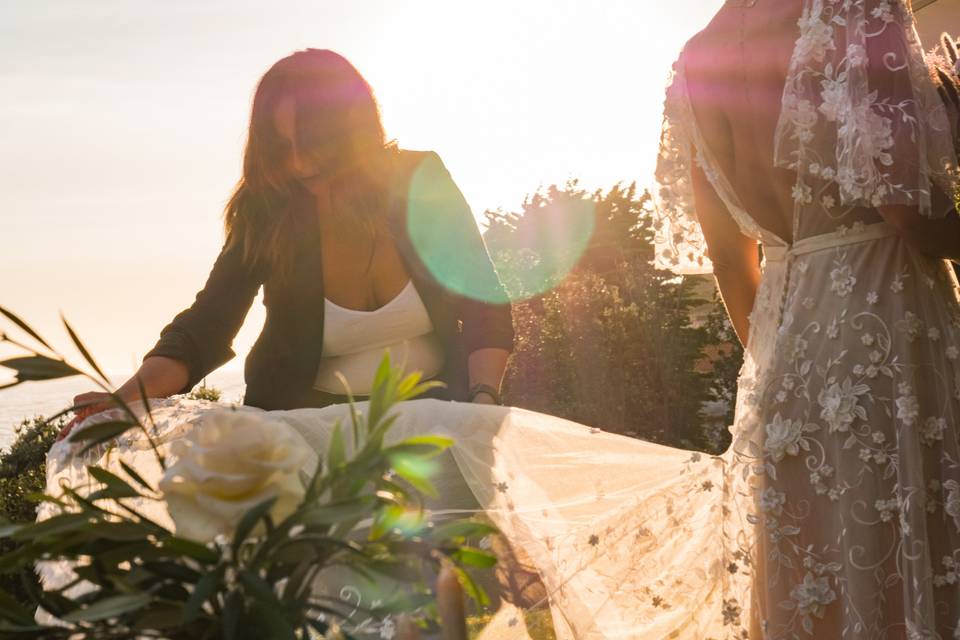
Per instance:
{"type": "Point", "coordinates": [486, 367]}
{"type": "Point", "coordinates": [160, 377]}
{"type": "Point", "coordinates": [936, 237]}
{"type": "Point", "coordinates": [445, 234]}
{"type": "Point", "coordinates": [200, 337]}
{"type": "Point", "coordinates": [735, 257]}
{"type": "Point", "coordinates": [195, 343]}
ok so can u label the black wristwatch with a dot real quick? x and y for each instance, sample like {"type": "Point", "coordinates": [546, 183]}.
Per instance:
{"type": "Point", "coordinates": [477, 389]}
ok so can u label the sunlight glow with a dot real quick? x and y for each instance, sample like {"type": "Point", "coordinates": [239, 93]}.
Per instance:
{"type": "Point", "coordinates": [125, 124]}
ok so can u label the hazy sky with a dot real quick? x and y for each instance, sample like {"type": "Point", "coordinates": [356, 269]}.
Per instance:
{"type": "Point", "coordinates": [122, 124]}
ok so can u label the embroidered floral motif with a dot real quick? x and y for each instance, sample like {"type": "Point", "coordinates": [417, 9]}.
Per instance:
{"type": "Point", "coordinates": [908, 408]}
{"type": "Point", "coordinates": [784, 437]}
{"type": "Point", "coordinates": [840, 405]}
{"type": "Point", "coordinates": [910, 326]}
{"type": "Point", "coordinates": [812, 594]}
{"type": "Point", "coordinates": [771, 501]}
{"type": "Point", "coordinates": [932, 431]}
{"type": "Point", "coordinates": [842, 280]}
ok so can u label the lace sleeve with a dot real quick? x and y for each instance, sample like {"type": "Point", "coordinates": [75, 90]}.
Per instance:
{"type": "Point", "coordinates": [861, 110]}
{"type": "Point", "coordinates": [678, 239]}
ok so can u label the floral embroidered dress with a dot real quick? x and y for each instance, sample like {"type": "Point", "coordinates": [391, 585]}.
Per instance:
{"type": "Point", "coordinates": [843, 479]}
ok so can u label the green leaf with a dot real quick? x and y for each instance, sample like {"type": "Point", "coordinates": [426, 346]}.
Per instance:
{"type": "Point", "coordinates": [38, 498]}
{"type": "Point", "coordinates": [230, 616]}
{"type": "Point", "coordinates": [109, 607]}
{"type": "Point", "coordinates": [20, 628]}
{"type": "Point", "coordinates": [136, 476]}
{"type": "Point", "coordinates": [39, 367]}
{"type": "Point", "coordinates": [471, 588]}
{"type": "Point", "coordinates": [462, 529]}
{"type": "Point", "coordinates": [83, 350]}
{"type": "Point", "coordinates": [13, 611]}
{"type": "Point", "coordinates": [473, 557]}
{"type": "Point", "coordinates": [141, 388]}
{"type": "Point", "coordinates": [118, 488]}
{"type": "Point", "coordinates": [270, 619]}
{"type": "Point", "coordinates": [207, 585]}
{"type": "Point", "coordinates": [409, 522]}
{"type": "Point", "coordinates": [122, 531]}
{"type": "Point", "coordinates": [174, 570]}
{"type": "Point", "coordinates": [57, 525]}
{"type": "Point", "coordinates": [250, 519]}
{"type": "Point", "coordinates": [7, 529]}
{"type": "Point", "coordinates": [23, 555]}
{"type": "Point", "coordinates": [423, 387]}
{"type": "Point", "coordinates": [160, 616]}
{"type": "Point", "coordinates": [257, 587]}
{"type": "Point", "coordinates": [384, 370]}
{"type": "Point", "coordinates": [297, 577]}
{"type": "Point", "coordinates": [439, 442]}
{"type": "Point", "coordinates": [337, 512]}
{"type": "Point", "coordinates": [95, 434]}
{"type": "Point", "coordinates": [23, 325]}
{"type": "Point", "coordinates": [191, 549]}
{"type": "Point", "coordinates": [415, 469]}
{"type": "Point", "coordinates": [336, 452]}
{"type": "Point", "coordinates": [379, 432]}
{"type": "Point", "coordinates": [399, 571]}
{"type": "Point", "coordinates": [408, 384]}
{"type": "Point", "coordinates": [52, 601]}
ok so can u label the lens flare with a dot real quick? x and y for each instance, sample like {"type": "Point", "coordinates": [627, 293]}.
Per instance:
{"type": "Point", "coordinates": [549, 241]}
{"type": "Point", "coordinates": [552, 239]}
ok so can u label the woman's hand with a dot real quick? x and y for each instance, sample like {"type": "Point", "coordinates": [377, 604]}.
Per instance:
{"type": "Point", "coordinates": [159, 377]}
{"type": "Point", "coordinates": [88, 404]}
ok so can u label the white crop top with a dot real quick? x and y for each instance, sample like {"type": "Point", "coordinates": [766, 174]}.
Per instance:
{"type": "Point", "coordinates": [354, 342]}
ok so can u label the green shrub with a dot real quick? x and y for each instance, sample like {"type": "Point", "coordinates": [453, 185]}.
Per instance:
{"type": "Point", "coordinates": [23, 475]}
{"type": "Point", "coordinates": [203, 392]}
{"type": "Point", "coordinates": [615, 343]}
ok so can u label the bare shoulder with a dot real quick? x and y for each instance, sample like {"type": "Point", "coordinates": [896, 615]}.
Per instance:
{"type": "Point", "coordinates": [705, 45]}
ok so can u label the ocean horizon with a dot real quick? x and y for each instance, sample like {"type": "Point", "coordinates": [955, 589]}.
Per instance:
{"type": "Point", "coordinates": [48, 397]}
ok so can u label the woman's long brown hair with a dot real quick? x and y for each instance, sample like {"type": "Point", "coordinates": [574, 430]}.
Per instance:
{"type": "Point", "coordinates": [338, 122]}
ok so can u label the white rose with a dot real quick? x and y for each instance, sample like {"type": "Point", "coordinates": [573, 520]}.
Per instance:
{"type": "Point", "coordinates": [231, 462]}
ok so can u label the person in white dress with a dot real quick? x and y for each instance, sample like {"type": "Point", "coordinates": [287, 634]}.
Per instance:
{"type": "Point", "coordinates": [828, 146]}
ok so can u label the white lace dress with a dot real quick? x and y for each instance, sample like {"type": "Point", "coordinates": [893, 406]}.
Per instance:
{"type": "Point", "coordinates": [844, 474]}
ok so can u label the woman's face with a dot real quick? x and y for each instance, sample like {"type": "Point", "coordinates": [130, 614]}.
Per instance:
{"type": "Point", "coordinates": [306, 165]}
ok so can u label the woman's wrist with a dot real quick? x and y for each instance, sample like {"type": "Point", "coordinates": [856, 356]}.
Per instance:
{"type": "Point", "coordinates": [481, 390]}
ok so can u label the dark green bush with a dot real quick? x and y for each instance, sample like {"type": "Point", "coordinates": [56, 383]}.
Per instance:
{"type": "Point", "coordinates": [615, 343]}
{"type": "Point", "coordinates": [23, 474]}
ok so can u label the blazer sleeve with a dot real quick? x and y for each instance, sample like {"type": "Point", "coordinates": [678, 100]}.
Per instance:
{"type": "Point", "coordinates": [444, 234]}
{"type": "Point", "coordinates": [201, 336]}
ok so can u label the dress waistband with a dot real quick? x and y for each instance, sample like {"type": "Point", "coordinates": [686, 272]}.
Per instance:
{"type": "Point", "coordinates": [870, 232]}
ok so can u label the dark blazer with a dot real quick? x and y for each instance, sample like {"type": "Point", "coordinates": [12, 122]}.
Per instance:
{"type": "Point", "coordinates": [449, 266]}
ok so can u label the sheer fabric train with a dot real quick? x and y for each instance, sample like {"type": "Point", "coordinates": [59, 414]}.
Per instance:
{"type": "Point", "coordinates": [606, 520]}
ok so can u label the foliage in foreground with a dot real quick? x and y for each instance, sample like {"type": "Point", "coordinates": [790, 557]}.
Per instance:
{"type": "Point", "coordinates": [136, 578]}
{"type": "Point", "coordinates": [22, 478]}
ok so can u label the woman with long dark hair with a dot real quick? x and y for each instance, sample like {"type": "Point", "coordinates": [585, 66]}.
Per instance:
{"type": "Point", "coordinates": [359, 247]}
